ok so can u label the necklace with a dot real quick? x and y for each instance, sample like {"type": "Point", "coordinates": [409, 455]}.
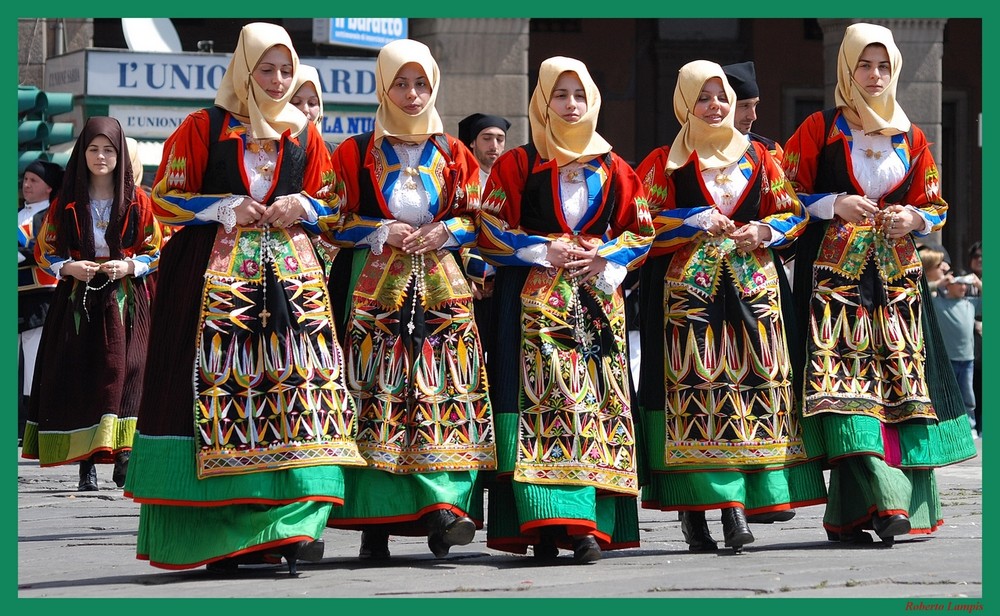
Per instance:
{"type": "Point", "coordinates": [256, 145]}
{"type": "Point", "coordinates": [103, 209]}
{"type": "Point", "coordinates": [573, 174]}
{"type": "Point", "coordinates": [410, 171]}
{"type": "Point", "coordinates": [721, 180]}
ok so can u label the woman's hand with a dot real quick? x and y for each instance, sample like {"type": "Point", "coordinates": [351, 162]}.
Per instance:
{"type": "Point", "coordinates": [398, 232]}
{"type": "Point", "coordinates": [248, 212]}
{"type": "Point", "coordinates": [559, 253]}
{"type": "Point", "coordinates": [899, 220]}
{"type": "Point", "coordinates": [427, 238]}
{"type": "Point", "coordinates": [81, 270]}
{"type": "Point", "coordinates": [284, 212]}
{"type": "Point", "coordinates": [584, 263]}
{"type": "Point", "coordinates": [855, 208]}
{"type": "Point", "coordinates": [118, 268]}
{"type": "Point", "coordinates": [720, 224]}
{"type": "Point", "coordinates": [751, 237]}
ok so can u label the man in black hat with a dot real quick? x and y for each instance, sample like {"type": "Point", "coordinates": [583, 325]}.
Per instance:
{"type": "Point", "coordinates": [35, 286]}
{"type": "Point", "coordinates": [743, 78]}
{"type": "Point", "coordinates": [486, 136]}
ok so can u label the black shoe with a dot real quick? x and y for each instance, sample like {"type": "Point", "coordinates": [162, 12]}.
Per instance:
{"type": "Point", "coordinates": [856, 536]}
{"type": "Point", "coordinates": [888, 527]}
{"type": "Point", "coordinates": [734, 528]}
{"type": "Point", "coordinates": [545, 549]}
{"type": "Point", "coordinates": [223, 566]}
{"type": "Point", "coordinates": [374, 545]}
{"type": "Point", "coordinates": [88, 477]}
{"type": "Point", "coordinates": [121, 467]}
{"type": "Point", "coordinates": [445, 529]}
{"type": "Point", "coordinates": [696, 534]}
{"type": "Point", "coordinates": [771, 517]}
{"type": "Point", "coordinates": [292, 553]}
{"type": "Point", "coordinates": [586, 550]}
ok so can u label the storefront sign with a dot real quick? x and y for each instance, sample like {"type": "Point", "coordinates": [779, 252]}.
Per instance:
{"type": "Point", "coordinates": [369, 33]}
{"type": "Point", "coordinates": [189, 76]}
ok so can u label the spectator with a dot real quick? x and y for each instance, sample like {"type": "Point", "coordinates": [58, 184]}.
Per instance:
{"type": "Point", "coordinates": [957, 311]}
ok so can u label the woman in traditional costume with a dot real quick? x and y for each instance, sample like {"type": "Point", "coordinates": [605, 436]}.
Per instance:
{"type": "Point", "coordinates": [242, 436]}
{"type": "Point", "coordinates": [415, 361]}
{"type": "Point", "coordinates": [101, 241]}
{"type": "Point", "coordinates": [868, 178]}
{"type": "Point", "coordinates": [564, 219]}
{"type": "Point", "coordinates": [716, 380]}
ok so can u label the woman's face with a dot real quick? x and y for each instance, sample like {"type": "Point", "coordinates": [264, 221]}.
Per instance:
{"type": "Point", "coordinates": [712, 105]}
{"type": "Point", "coordinates": [873, 70]}
{"type": "Point", "coordinates": [102, 157]}
{"type": "Point", "coordinates": [273, 72]}
{"type": "Point", "coordinates": [569, 99]}
{"type": "Point", "coordinates": [410, 89]}
{"type": "Point", "coordinates": [307, 101]}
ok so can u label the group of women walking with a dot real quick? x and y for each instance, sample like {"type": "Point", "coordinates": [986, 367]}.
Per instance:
{"type": "Point", "coordinates": [315, 361]}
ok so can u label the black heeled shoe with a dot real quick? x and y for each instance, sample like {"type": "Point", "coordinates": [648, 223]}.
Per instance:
{"type": "Point", "coordinates": [586, 550]}
{"type": "Point", "coordinates": [121, 467]}
{"type": "Point", "coordinates": [445, 529]}
{"type": "Point", "coordinates": [88, 476]}
{"type": "Point", "coordinates": [374, 545]}
{"type": "Point", "coordinates": [694, 527]}
{"type": "Point", "coordinates": [292, 553]}
{"type": "Point", "coordinates": [735, 529]}
{"type": "Point", "coordinates": [888, 527]}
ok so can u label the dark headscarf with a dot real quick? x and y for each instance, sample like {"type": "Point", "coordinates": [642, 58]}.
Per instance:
{"type": "Point", "coordinates": [77, 231]}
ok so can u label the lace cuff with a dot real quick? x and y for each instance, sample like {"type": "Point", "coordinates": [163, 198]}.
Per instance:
{"type": "Point", "coordinates": [451, 242]}
{"type": "Point", "coordinates": [223, 211]}
{"type": "Point", "coordinates": [928, 226]}
{"type": "Point", "coordinates": [376, 239]}
{"type": "Point", "coordinates": [823, 208]}
{"type": "Point", "coordinates": [56, 268]}
{"type": "Point", "coordinates": [702, 220]}
{"type": "Point", "coordinates": [139, 268]}
{"type": "Point", "coordinates": [611, 278]}
{"type": "Point", "coordinates": [776, 236]}
{"type": "Point", "coordinates": [308, 211]}
{"type": "Point", "coordinates": [535, 254]}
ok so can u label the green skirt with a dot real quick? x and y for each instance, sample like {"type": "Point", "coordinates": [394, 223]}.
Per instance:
{"type": "Point", "coordinates": [518, 511]}
{"type": "Point", "coordinates": [186, 522]}
{"type": "Point", "coordinates": [888, 470]}
{"type": "Point", "coordinates": [396, 502]}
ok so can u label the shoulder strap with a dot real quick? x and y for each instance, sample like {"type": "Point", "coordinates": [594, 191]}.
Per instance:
{"type": "Point", "coordinates": [362, 142]}
{"type": "Point", "coordinates": [215, 117]}
{"type": "Point", "coordinates": [441, 141]}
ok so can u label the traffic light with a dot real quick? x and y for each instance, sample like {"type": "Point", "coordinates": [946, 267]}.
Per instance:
{"type": "Point", "coordinates": [35, 129]}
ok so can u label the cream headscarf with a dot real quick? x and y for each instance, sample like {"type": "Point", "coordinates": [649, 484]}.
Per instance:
{"type": "Point", "coordinates": [875, 114]}
{"type": "Point", "coordinates": [717, 146]}
{"type": "Point", "coordinates": [309, 74]}
{"type": "Point", "coordinates": [133, 155]}
{"type": "Point", "coordinates": [392, 121]}
{"type": "Point", "coordinates": [240, 94]}
{"type": "Point", "coordinates": [555, 138]}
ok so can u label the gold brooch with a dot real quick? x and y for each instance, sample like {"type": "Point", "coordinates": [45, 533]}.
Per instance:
{"type": "Point", "coordinates": [870, 153]}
